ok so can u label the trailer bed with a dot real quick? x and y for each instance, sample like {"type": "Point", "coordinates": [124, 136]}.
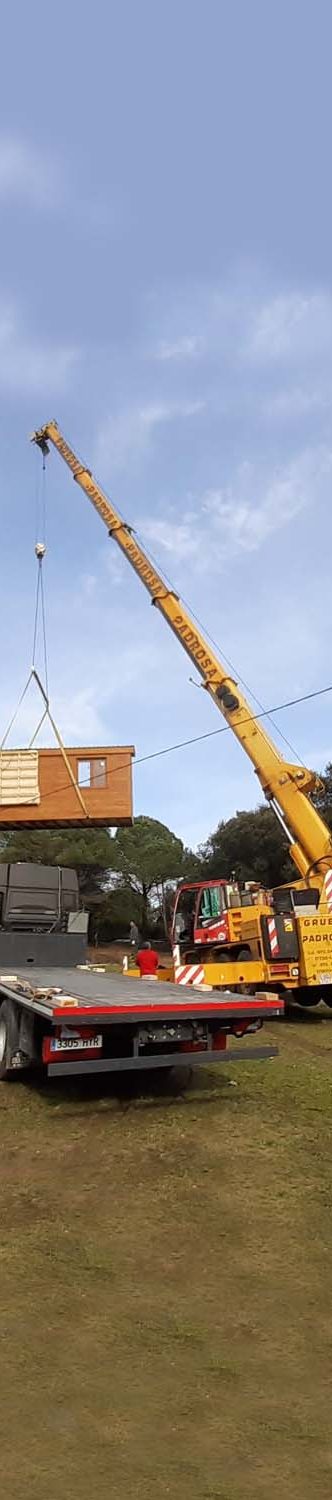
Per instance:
{"type": "Point", "coordinates": [132, 1024]}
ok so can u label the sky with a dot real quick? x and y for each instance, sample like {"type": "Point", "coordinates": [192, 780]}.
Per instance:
{"type": "Point", "coordinates": [166, 294]}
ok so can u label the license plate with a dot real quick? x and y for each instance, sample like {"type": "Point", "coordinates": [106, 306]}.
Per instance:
{"type": "Point", "coordinates": [76, 1044]}
{"type": "Point", "coordinates": [325, 978]}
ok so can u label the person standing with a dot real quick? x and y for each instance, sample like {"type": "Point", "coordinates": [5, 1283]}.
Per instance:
{"type": "Point", "coordinates": [133, 934]}
{"type": "Point", "coordinates": [147, 961]}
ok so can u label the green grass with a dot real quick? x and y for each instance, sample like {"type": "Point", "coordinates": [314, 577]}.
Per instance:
{"type": "Point", "coordinates": [164, 1274]}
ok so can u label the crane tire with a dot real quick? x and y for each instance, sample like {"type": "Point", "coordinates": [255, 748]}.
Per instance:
{"type": "Point", "coordinates": [306, 1002]}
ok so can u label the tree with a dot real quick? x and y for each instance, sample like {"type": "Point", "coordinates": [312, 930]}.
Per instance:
{"type": "Point", "coordinates": [252, 845]}
{"type": "Point", "coordinates": [111, 914]}
{"type": "Point", "coordinates": [323, 799]}
{"type": "Point", "coordinates": [147, 857]}
{"type": "Point", "coordinates": [87, 850]}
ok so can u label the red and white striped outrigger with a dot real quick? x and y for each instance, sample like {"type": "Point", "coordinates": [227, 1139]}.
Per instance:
{"type": "Point", "coordinates": [273, 936]}
{"type": "Point", "coordinates": [328, 889]}
{"type": "Point", "coordinates": [188, 973]}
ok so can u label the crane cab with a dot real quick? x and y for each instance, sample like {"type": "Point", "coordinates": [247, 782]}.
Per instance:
{"type": "Point", "coordinates": [205, 913]}
{"type": "Point", "coordinates": [235, 925]}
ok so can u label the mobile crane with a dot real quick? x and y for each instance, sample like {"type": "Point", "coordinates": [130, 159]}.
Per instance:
{"type": "Point", "coordinates": [247, 938]}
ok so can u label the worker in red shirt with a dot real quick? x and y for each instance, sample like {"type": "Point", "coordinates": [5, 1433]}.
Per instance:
{"type": "Point", "coordinates": [147, 960]}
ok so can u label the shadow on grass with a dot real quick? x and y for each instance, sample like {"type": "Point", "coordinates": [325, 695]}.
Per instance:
{"type": "Point", "coordinates": [123, 1091]}
{"type": "Point", "coordinates": [300, 1015]}
{"type": "Point", "coordinates": [119, 1092]}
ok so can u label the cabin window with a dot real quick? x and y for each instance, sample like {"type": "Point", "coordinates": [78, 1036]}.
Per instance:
{"type": "Point", "coordinates": [92, 773]}
{"type": "Point", "coordinates": [211, 904]}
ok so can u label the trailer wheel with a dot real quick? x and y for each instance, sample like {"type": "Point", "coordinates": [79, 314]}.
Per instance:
{"type": "Point", "coordinates": [9, 1037]}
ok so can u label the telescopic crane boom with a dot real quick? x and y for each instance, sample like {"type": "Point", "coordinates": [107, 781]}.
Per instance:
{"type": "Point", "coordinates": [285, 786]}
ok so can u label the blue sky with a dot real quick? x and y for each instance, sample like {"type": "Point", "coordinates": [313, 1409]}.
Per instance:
{"type": "Point", "coordinates": [165, 292]}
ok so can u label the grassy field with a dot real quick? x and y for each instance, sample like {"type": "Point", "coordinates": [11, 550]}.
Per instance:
{"type": "Point", "coordinates": [165, 1277]}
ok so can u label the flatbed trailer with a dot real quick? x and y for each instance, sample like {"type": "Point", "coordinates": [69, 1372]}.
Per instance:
{"type": "Point", "coordinates": [72, 1021]}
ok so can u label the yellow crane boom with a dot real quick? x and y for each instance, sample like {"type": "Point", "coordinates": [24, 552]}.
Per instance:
{"type": "Point", "coordinates": [285, 786]}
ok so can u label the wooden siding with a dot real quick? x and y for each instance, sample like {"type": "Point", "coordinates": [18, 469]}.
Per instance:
{"type": "Point", "coordinates": [19, 778]}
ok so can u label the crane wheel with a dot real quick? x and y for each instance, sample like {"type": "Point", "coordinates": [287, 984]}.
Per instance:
{"type": "Point", "coordinates": [306, 1001]}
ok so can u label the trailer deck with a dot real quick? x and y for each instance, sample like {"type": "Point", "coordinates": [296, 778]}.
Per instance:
{"type": "Point", "coordinates": [112, 1025]}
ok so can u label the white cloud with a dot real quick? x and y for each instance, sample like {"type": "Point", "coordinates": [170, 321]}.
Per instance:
{"type": "Point", "coordinates": [29, 366]}
{"type": "Point", "coordinates": [290, 327]}
{"type": "Point", "coordinates": [181, 539]}
{"type": "Point", "coordinates": [90, 711]}
{"type": "Point", "coordinates": [240, 516]}
{"type": "Point", "coordinates": [31, 176]}
{"type": "Point", "coordinates": [243, 522]}
{"type": "Point", "coordinates": [246, 513]}
{"type": "Point", "coordinates": [185, 347]}
{"type": "Point", "coordinates": [80, 718]}
{"type": "Point", "coordinates": [28, 174]}
{"type": "Point", "coordinates": [245, 320]}
{"type": "Point", "coordinates": [296, 403]}
{"type": "Point", "coordinates": [115, 563]}
{"type": "Point", "coordinates": [88, 585]}
{"type": "Point", "coordinates": [127, 436]}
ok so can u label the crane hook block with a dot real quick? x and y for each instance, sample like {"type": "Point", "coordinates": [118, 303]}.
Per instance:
{"type": "Point", "coordinates": [226, 697]}
{"type": "Point", "coordinates": [40, 550]}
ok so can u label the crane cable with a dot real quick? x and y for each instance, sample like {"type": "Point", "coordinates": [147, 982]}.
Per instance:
{"type": "Point", "coordinates": [40, 550]}
{"type": "Point", "coordinates": [40, 615]}
{"type": "Point", "coordinates": [33, 670]}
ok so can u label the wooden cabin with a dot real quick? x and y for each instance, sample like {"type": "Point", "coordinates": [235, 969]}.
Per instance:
{"type": "Point", "coordinates": [69, 788]}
